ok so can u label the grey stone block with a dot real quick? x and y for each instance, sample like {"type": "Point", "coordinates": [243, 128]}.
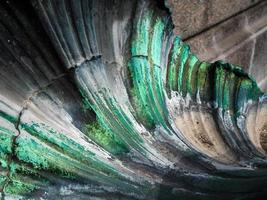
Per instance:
{"type": "Point", "coordinates": [242, 56]}
{"type": "Point", "coordinates": [224, 39]}
{"type": "Point", "coordinates": [258, 67]}
{"type": "Point", "coordinates": [191, 17]}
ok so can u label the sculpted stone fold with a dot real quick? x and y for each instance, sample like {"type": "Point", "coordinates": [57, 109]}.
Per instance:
{"type": "Point", "coordinates": [101, 99]}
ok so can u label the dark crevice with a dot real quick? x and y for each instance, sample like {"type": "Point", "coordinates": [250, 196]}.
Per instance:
{"type": "Point", "coordinates": [28, 21]}
{"type": "Point", "coordinates": [222, 21]}
{"type": "Point", "coordinates": [162, 6]}
{"type": "Point", "coordinates": [93, 58]}
{"type": "Point", "coordinates": [13, 152]}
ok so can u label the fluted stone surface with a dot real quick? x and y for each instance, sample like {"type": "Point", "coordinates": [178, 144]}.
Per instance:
{"type": "Point", "coordinates": [101, 100]}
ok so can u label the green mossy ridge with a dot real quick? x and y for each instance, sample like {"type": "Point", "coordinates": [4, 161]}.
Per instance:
{"type": "Point", "coordinates": [18, 187]}
{"type": "Point", "coordinates": [229, 91]}
{"type": "Point", "coordinates": [179, 63]}
{"type": "Point", "coordinates": [140, 109]}
{"type": "Point", "coordinates": [113, 120]}
{"type": "Point", "coordinates": [140, 40]}
{"type": "Point", "coordinates": [2, 180]}
{"type": "Point", "coordinates": [146, 73]}
{"type": "Point", "coordinates": [219, 83]}
{"type": "Point", "coordinates": [155, 41]}
{"type": "Point", "coordinates": [246, 89]}
{"type": "Point", "coordinates": [29, 151]}
{"type": "Point", "coordinates": [16, 167]}
{"type": "Point", "coordinates": [154, 71]}
{"type": "Point", "coordinates": [137, 67]}
{"type": "Point", "coordinates": [203, 81]}
{"type": "Point", "coordinates": [43, 157]}
{"type": "Point", "coordinates": [189, 85]}
{"type": "Point", "coordinates": [158, 87]}
{"type": "Point", "coordinates": [61, 147]}
{"type": "Point", "coordinates": [172, 74]}
{"type": "Point", "coordinates": [6, 140]}
{"type": "Point", "coordinates": [12, 186]}
{"type": "Point", "coordinates": [126, 123]}
{"type": "Point", "coordinates": [4, 160]}
{"type": "Point", "coordinates": [183, 56]}
{"type": "Point", "coordinates": [149, 94]}
{"type": "Point", "coordinates": [58, 140]}
{"type": "Point", "coordinates": [105, 139]}
{"type": "Point", "coordinates": [24, 180]}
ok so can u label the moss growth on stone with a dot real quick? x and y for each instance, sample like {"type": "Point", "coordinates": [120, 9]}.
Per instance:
{"type": "Point", "coordinates": [105, 139]}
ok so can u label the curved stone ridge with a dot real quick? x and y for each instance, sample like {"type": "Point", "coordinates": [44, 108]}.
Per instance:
{"type": "Point", "coordinates": [100, 99]}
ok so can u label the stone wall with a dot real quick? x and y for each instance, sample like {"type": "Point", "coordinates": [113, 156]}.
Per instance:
{"type": "Point", "coordinates": [232, 30]}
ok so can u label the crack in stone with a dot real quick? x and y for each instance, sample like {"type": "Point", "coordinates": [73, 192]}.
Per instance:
{"type": "Point", "coordinates": [77, 65]}
{"type": "Point", "coordinates": [13, 146]}
{"type": "Point", "coordinates": [93, 58]}
{"type": "Point", "coordinates": [25, 107]}
{"type": "Point", "coordinates": [13, 153]}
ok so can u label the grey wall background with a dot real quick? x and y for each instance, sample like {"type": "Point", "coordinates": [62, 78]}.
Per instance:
{"type": "Point", "coordinates": [232, 30]}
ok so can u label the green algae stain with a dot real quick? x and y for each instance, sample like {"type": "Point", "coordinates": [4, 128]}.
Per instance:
{"type": "Point", "coordinates": [156, 41]}
{"type": "Point", "coordinates": [23, 179]}
{"type": "Point", "coordinates": [67, 159]}
{"type": "Point", "coordinates": [100, 132]}
{"type": "Point", "coordinates": [246, 88]}
{"type": "Point", "coordinates": [3, 179]}
{"type": "Point", "coordinates": [172, 65]}
{"type": "Point", "coordinates": [6, 139]}
{"type": "Point", "coordinates": [56, 139]}
{"type": "Point", "coordinates": [140, 109]}
{"type": "Point", "coordinates": [112, 118]}
{"type": "Point", "coordinates": [147, 93]}
{"type": "Point", "coordinates": [190, 76]}
{"type": "Point", "coordinates": [105, 139]}
{"type": "Point", "coordinates": [3, 160]}
{"type": "Point", "coordinates": [149, 100]}
{"type": "Point", "coordinates": [141, 101]}
{"type": "Point", "coordinates": [17, 187]}
{"type": "Point", "coordinates": [183, 56]}
{"type": "Point", "coordinates": [42, 157]}
{"type": "Point", "coordinates": [141, 38]}
{"type": "Point", "coordinates": [28, 150]}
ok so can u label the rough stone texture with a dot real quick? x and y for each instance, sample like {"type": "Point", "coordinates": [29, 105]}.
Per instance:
{"type": "Point", "coordinates": [242, 56]}
{"type": "Point", "coordinates": [258, 66]}
{"type": "Point", "coordinates": [240, 39]}
{"type": "Point", "coordinates": [191, 17]}
{"type": "Point", "coordinates": [231, 34]}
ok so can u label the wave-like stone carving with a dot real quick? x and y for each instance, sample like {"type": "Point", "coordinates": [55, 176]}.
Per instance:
{"type": "Point", "coordinates": [100, 99]}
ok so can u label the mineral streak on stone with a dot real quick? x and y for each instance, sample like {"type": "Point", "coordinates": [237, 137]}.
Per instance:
{"type": "Point", "coordinates": [99, 99]}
